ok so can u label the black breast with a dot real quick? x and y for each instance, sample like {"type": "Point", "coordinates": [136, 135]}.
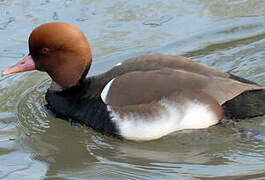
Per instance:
{"type": "Point", "coordinates": [70, 105]}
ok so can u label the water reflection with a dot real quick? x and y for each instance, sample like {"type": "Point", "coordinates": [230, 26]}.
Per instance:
{"type": "Point", "coordinates": [233, 8]}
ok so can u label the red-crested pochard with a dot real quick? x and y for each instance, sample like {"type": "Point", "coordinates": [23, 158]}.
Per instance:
{"type": "Point", "coordinates": [141, 98]}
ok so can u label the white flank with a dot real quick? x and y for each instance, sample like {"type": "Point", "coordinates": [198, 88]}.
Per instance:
{"type": "Point", "coordinates": [193, 115]}
{"type": "Point", "coordinates": [105, 91]}
{"type": "Point", "coordinates": [118, 64]}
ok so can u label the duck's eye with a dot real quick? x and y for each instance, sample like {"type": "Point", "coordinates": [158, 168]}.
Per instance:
{"type": "Point", "coordinates": [44, 51]}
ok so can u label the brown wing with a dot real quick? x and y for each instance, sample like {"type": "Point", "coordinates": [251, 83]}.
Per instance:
{"type": "Point", "coordinates": [157, 61]}
{"type": "Point", "coordinates": [179, 97]}
{"type": "Point", "coordinates": [141, 87]}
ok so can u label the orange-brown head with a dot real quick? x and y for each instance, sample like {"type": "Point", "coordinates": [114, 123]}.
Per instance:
{"type": "Point", "coordinates": [60, 49]}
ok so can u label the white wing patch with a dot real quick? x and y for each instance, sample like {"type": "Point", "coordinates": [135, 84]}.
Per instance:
{"type": "Point", "coordinates": [192, 115]}
{"type": "Point", "coordinates": [104, 93]}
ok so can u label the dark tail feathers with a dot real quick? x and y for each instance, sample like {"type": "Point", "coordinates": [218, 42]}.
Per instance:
{"type": "Point", "coordinates": [246, 105]}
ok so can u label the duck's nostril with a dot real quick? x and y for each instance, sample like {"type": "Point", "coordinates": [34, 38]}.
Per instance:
{"type": "Point", "coordinates": [22, 62]}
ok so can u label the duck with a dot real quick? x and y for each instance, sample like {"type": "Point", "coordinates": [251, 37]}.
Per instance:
{"type": "Point", "coordinates": [142, 98]}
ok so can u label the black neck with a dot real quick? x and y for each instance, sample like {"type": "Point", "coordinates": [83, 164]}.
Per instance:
{"type": "Point", "coordinates": [74, 104]}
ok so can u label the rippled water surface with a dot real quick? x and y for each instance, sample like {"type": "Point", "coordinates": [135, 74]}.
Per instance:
{"type": "Point", "coordinates": [225, 34]}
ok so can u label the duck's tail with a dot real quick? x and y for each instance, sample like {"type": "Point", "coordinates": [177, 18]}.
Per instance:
{"type": "Point", "coordinates": [246, 105]}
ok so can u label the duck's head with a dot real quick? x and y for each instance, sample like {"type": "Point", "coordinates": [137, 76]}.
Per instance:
{"type": "Point", "coordinates": [60, 49]}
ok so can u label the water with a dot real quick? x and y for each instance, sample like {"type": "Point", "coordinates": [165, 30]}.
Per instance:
{"type": "Point", "coordinates": [225, 34]}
